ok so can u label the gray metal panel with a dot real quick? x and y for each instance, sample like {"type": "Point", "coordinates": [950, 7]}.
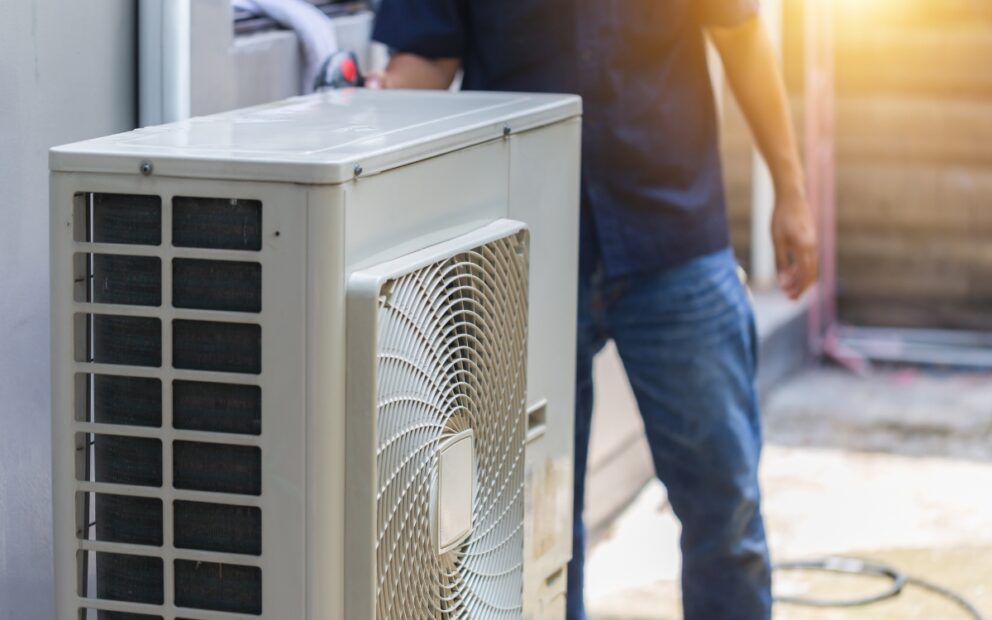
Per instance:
{"type": "Point", "coordinates": [228, 72]}
{"type": "Point", "coordinates": [267, 66]}
{"type": "Point", "coordinates": [389, 215]}
{"type": "Point", "coordinates": [193, 64]}
{"type": "Point", "coordinates": [67, 74]}
{"type": "Point", "coordinates": [544, 193]}
{"type": "Point", "coordinates": [326, 368]}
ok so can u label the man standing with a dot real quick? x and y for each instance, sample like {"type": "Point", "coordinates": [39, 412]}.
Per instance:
{"type": "Point", "coordinates": [656, 274]}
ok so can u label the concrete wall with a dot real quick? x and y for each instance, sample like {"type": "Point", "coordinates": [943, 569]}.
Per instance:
{"type": "Point", "coordinates": [66, 73]}
{"type": "Point", "coordinates": [619, 458]}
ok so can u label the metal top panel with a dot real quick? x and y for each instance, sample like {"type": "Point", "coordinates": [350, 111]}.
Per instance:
{"type": "Point", "coordinates": [317, 139]}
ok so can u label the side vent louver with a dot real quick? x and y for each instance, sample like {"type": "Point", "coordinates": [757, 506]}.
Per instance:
{"type": "Point", "coordinates": [168, 405]}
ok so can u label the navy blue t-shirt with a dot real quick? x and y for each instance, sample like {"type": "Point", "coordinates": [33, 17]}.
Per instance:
{"type": "Point", "coordinates": [652, 190]}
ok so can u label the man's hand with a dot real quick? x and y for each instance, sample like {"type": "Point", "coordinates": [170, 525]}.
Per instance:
{"type": "Point", "coordinates": [412, 71]}
{"type": "Point", "coordinates": [794, 237]}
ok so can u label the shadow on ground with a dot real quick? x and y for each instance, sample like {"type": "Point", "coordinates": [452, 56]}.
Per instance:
{"type": "Point", "coordinates": [908, 411]}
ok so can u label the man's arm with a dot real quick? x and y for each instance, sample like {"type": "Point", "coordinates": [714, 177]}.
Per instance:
{"type": "Point", "coordinates": [751, 65]}
{"type": "Point", "coordinates": [413, 71]}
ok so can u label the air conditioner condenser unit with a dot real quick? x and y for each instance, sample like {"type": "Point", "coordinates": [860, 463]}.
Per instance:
{"type": "Point", "coordinates": [315, 360]}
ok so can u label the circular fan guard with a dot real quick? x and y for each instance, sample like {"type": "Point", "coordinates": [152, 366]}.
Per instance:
{"type": "Point", "coordinates": [452, 356]}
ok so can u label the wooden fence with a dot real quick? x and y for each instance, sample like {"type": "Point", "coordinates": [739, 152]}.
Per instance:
{"type": "Point", "coordinates": [914, 159]}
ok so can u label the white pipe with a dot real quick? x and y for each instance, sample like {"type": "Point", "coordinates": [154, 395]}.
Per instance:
{"type": "Point", "coordinates": [762, 190]}
{"type": "Point", "coordinates": [164, 61]}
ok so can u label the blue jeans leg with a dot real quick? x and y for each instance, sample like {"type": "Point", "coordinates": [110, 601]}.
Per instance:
{"type": "Point", "coordinates": [686, 338]}
{"type": "Point", "coordinates": [688, 344]}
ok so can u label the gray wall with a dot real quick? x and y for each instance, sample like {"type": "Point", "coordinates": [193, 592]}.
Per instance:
{"type": "Point", "coordinates": [66, 73]}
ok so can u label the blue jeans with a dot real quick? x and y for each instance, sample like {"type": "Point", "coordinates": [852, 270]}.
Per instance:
{"type": "Point", "coordinates": [687, 340]}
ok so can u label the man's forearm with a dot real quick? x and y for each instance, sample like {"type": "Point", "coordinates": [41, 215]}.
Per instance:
{"type": "Point", "coordinates": [752, 68]}
{"type": "Point", "coordinates": [412, 71]}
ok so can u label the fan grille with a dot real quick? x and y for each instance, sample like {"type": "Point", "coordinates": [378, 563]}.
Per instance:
{"type": "Point", "coordinates": [451, 357]}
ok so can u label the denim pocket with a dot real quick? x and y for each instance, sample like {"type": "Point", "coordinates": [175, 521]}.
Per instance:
{"type": "Point", "coordinates": [698, 304]}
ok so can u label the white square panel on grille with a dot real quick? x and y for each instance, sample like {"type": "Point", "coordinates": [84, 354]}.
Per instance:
{"type": "Point", "coordinates": [453, 494]}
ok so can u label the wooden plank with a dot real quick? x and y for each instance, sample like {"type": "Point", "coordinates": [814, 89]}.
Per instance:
{"type": "Point", "coordinates": [900, 45]}
{"type": "Point", "coordinates": [927, 129]}
{"type": "Point", "coordinates": [912, 313]}
{"type": "Point", "coordinates": [897, 255]}
{"type": "Point", "coordinates": [913, 13]}
{"type": "Point", "coordinates": [736, 177]}
{"type": "Point", "coordinates": [914, 199]}
{"type": "Point", "coordinates": [877, 59]}
{"type": "Point", "coordinates": [734, 132]}
{"type": "Point", "coordinates": [864, 284]}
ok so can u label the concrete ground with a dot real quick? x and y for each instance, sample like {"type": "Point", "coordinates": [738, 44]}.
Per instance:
{"type": "Point", "coordinates": [895, 467]}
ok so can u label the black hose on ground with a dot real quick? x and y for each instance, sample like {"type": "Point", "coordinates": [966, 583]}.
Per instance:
{"type": "Point", "coordinates": [857, 566]}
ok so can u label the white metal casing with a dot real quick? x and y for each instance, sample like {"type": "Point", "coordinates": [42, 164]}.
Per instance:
{"type": "Point", "coordinates": [347, 180]}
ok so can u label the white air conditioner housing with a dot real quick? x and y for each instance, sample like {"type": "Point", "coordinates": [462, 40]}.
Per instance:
{"type": "Point", "coordinates": [315, 360]}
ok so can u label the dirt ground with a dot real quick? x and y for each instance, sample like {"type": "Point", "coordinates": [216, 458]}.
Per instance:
{"type": "Point", "coordinates": [895, 467]}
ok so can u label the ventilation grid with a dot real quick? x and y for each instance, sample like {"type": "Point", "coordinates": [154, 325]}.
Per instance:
{"type": "Point", "coordinates": [451, 431]}
{"type": "Point", "coordinates": [167, 406]}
